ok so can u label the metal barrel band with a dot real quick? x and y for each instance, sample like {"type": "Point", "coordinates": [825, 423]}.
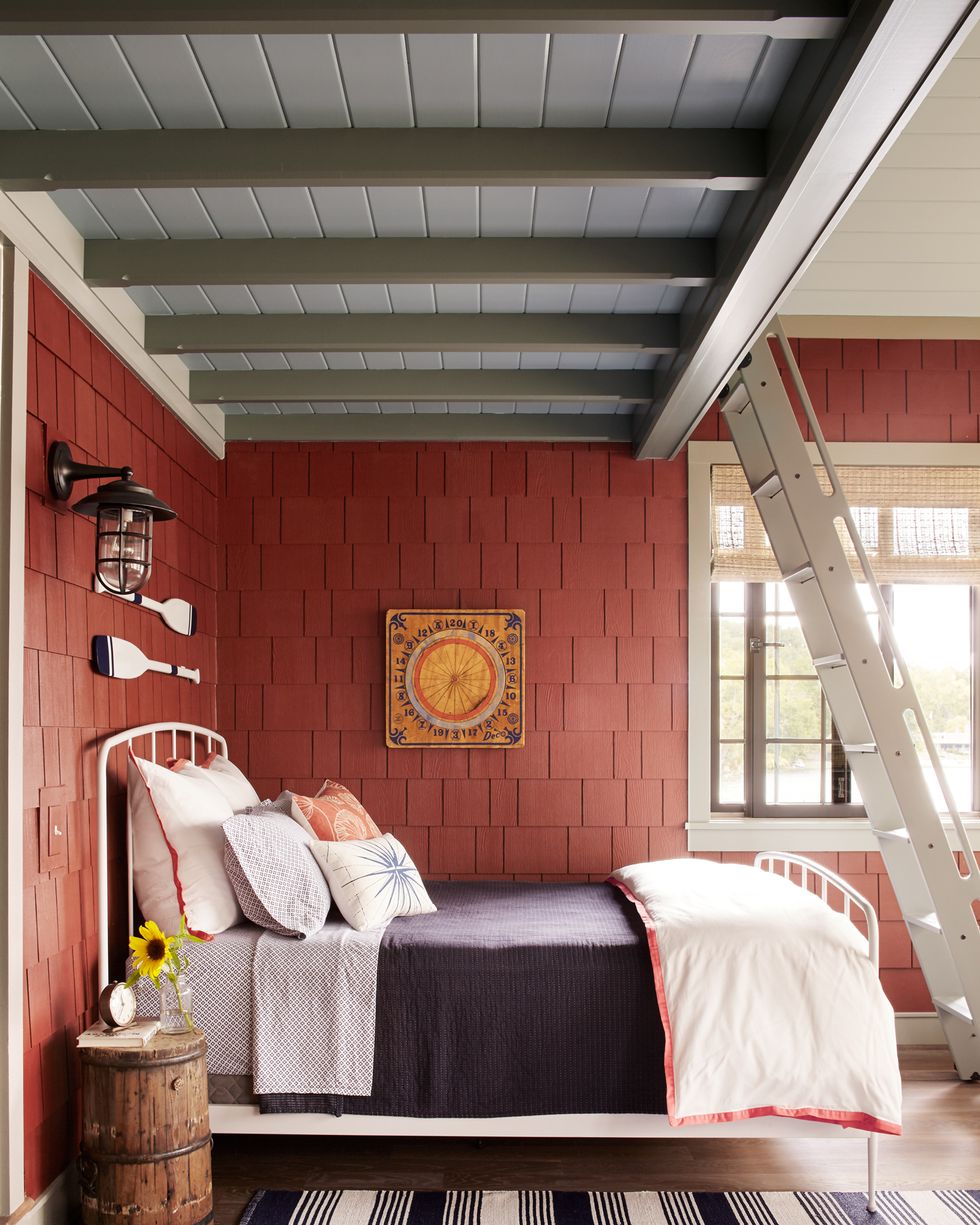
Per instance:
{"type": "Point", "coordinates": [143, 1065]}
{"type": "Point", "coordinates": [143, 1158]}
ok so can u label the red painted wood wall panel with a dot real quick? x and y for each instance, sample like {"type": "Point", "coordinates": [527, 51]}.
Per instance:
{"type": "Point", "coordinates": [80, 393]}
{"type": "Point", "coordinates": [293, 552]}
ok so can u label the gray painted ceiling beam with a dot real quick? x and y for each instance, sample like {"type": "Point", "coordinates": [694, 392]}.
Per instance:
{"type": "Point", "coordinates": [378, 261]}
{"type": "Point", "coordinates": [430, 427]}
{"type": "Point", "coordinates": [331, 157]}
{"type": "Point", "coordinates": [779, 19]}
{"type": "Point", "coordinates": [271, 386]}
{"type": "Point", "coordinates": [835, 124]}
{"type": "Point", "coordinates": [444, 333]}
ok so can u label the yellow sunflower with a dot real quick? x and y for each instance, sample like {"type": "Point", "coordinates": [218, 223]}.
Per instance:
{"type": "Point", "coordinates": [151, 950]}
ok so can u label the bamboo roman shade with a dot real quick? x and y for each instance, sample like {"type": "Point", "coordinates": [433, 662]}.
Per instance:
{"type": "Point", "coordinates": [916, 524]}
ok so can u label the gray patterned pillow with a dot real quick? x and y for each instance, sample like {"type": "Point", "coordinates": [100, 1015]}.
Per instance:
{"type": "Point", "coordinates": [275, 877]}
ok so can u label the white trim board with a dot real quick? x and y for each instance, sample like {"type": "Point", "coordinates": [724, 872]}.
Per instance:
{"type": "Point", "coordinates": [882, 327]}
{"type": "Point", "coordinates": [13, 482]}
{"type": "Point", "coordinates": [731, 832]}
{"type": "Point", "coordinates": [55, 1205]}
{"type": "Point", "coordinates": [37, 227]}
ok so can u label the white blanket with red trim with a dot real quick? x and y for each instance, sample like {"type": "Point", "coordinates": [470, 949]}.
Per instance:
{"type": "Point", "coordinates": [769, 1003]}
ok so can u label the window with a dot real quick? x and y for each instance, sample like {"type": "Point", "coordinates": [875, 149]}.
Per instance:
{"type": "Point", "coordinates": [768, 758]}
{"type": "Point", "coordinates": [777, 752]}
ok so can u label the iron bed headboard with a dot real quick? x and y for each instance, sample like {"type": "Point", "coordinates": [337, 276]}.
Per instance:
{"type": "Point", "coordinates": [163, 736]}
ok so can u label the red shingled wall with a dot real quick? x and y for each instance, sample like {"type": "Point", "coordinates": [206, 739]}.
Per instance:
{"type": "Point", "coordinates": [79, 392]}
{"type": "Point", "coordinates": [314, 543]}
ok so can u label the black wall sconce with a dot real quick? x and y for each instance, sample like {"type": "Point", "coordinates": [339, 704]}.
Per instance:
{"type": "Point", "coordinates": [124, 514]}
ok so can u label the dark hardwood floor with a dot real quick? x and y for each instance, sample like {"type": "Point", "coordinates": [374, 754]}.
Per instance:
{"type": "Point", "coordinates": [940, 1148]}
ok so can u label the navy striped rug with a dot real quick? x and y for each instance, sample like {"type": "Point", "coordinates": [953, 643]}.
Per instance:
{"type": "Point", "coordinates": [610, 1208]}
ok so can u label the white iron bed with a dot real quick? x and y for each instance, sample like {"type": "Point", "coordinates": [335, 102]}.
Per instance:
{"type": "Point", "coordinates": [162, 740]}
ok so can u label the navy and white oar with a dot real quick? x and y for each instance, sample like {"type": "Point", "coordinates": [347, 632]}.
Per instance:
{"type": "Point", "coordinates": [125, 661]}
{"type": "Point", "coordinates": [177, 614]}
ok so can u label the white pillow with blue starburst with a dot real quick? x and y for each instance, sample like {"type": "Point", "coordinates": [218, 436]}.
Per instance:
{"type": "Point", "coordinates": [372, 882]}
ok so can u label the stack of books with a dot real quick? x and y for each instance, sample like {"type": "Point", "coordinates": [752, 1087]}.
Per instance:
{"type": "Point", "coordinates": [129, 1037]}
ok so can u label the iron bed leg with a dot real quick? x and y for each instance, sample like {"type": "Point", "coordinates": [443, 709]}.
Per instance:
{"type": "Point", "coordinates": [873, 1172]}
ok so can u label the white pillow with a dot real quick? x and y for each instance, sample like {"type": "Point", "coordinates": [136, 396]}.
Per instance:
{"type": "Point", "coordinates": [372, 881]}
{"type": "Point", "coordinates": [224, 775]}
{"type": "Point", "coordinates": [178, 849]}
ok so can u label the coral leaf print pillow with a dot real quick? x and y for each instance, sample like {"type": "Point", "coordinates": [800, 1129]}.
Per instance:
{"type": "Point", "coordinates": [372, 882]}
{"type": "Point", "coordinates": [333, 815]}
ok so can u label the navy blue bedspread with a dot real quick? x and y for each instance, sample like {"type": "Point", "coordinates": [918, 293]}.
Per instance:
{"type": "Point", "coordinates": [514, 999]}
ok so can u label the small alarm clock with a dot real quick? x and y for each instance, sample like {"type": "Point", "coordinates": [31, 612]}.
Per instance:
{"type": "Point", "coordinates": [117, 1005]}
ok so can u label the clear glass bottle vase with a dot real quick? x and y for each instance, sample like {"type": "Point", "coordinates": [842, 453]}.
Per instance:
{"type": "Point", "coordinates": [176, 1004]}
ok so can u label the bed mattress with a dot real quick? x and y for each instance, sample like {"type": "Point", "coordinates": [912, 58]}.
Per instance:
{"type": "Point", "coordinates": [513, 999]}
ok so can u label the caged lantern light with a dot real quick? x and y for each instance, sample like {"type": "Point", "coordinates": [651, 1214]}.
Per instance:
{"type": "Point", "coordinates": [124, 513]}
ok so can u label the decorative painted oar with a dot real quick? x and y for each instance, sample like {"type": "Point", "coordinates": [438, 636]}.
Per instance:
{"type": "Point", "coordinates": [125, 661]}
{"type": "Point", "coordinates": [177, 614]}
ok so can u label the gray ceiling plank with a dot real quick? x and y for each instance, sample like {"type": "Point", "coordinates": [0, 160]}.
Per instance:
{"type": "Point", "coordinates": [181, 213]}
{"type": "Point", "coordinates": [428, 333]}
{"type": "Point", "coordinates": [444, 79]}
{"type": "Point", "coordinates": [288, 212]}
{"type": "Point", "coordinates": [238, 75]}
{"type": "Point", "coordinates": [648, 84]}
{"type": "Point", "coordinates": [452, 212]}
{"type": "Point", "coordinates": [513, 74]}
{"type": "Point", "coordinates": [324, 157]}
{"type": "Point", "coordinates": [170, 76]}
{"type": "Point", "coordinates": [375, 74]}
{"type": "Point", "coordinates": [83, 214]}
{"type": "Point", "coordinates": [615, 212]}
{"type": "Point", "coordinates": [628, 386]}
{"type": "Point", "coordinates": [717, 80]}
{"type": "Point", "coordinates": [503, 299]}
{"type": "Point", "coordinates": [784, 19]}
{"type": "Point", "coordinates": [104, 80]}
{"type": "Point", "coordinates": [127, 212]}
{"type": "Point", "coordinates": [330, 421]}
{"type": "Point", "coordinates": [234, 211]}
{"type": "Point", "coordinates": [561, 212]}
{"type": "Point", "coordinates": [40, 86]}
{"type": "Point", "coordinates": [581, 73]}
{"type": "Point", "coordinates": [310, 261]}
{"type": "Point", "coordinates": [307, 78]}
{"type": "Point", "coordinates": [506, 212]}
{"type": "Point", "coordinates": [344, 212]}
{"type": "Point", "coordinates": [412, 299]}
{"type": "Point", "coordinates": [397, 212]}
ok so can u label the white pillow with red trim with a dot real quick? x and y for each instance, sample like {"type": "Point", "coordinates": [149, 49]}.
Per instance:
{"type": "Point", "coordinates": [224, 774]}
{"type": "Point", "coordinates": [178, 848]}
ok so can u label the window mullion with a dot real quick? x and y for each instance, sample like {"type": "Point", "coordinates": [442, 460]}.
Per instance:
{"type": "Point", "coordinates": [755, 674]}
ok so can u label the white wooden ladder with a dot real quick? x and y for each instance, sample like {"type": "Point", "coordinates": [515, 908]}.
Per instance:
{"type": "Point", "coordinates": [932, 869]}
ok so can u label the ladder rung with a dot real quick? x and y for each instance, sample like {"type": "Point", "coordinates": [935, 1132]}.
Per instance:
{"type": "Point", "coordinates": [955, 1007]}
{"type": "Point", "coordinates": [860, 748]}
{"type": "Point", "coordinates": [769, 487]}
{"type": "Point", "coordinates": [893, 835]}
{"type": "Point", "coordinates": [802, 575]}
{"type": "Point", "coordinates": [930, 922]}
{"type": "Point", "coordinates": [830, 661]}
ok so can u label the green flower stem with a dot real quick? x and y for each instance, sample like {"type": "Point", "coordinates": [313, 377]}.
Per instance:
{"type": "Point", "coordinates": [180, 1003]}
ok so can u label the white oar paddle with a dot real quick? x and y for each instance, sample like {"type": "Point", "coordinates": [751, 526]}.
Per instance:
{"type": "Point", "coordinates": [121, 659]}
{"type": "Point", "coordinates": [178, 615]}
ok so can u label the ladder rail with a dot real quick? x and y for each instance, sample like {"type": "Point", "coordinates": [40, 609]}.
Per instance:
{"type": "Point", "coordinates": [843, 510]}
{"type": "Point", "coordinates": [803, 526]}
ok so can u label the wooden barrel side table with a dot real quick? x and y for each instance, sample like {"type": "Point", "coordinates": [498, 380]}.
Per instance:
{"type": "Point", "coordinates": [146, 1135]}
